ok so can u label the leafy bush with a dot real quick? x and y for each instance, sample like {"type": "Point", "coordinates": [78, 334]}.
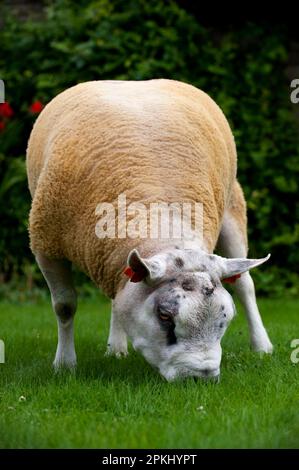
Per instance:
{"type": "Point", "coordinates": [243, 70]}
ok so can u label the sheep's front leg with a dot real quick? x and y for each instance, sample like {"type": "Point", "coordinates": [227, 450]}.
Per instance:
{"type": "Point", "coordinates": [232, 243]}
{"type": "Point", "coordinates": [117, 341]}
{"type": "Point", "coordinates": [259, 338]}
{"type": "Point", "coordinates": [57, 273]}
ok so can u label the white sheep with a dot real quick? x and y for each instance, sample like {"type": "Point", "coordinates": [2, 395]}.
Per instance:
{"type": "Point", "coordinates": [156, 141]}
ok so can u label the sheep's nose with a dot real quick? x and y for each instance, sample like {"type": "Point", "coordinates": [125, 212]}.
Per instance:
{"type": "Point", "coordinates": [208, 374]}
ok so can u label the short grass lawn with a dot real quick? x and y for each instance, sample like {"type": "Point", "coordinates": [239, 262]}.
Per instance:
{"type": "Point", "coordinates": [124, 403]}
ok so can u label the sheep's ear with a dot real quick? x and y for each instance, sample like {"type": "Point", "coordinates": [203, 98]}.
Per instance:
{"type": "Point", "coordinates": [233, 267]}
{"type": "Point", "coordinates": [143, 269]}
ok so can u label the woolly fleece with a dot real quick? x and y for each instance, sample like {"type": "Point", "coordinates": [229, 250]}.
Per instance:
{"type": "Point", "coordinates": [157, 140]}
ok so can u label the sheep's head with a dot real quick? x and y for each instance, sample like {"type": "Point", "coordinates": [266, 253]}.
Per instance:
{"type": "Point", "coordinates": [176, 309]}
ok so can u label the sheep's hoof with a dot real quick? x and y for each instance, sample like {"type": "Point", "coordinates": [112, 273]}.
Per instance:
{"type": "Point", "coordinates": [61, 365]}
{"type": "Point", "coordinates": [116, 351]}
{"type": "Point", "coordinates": [264, 347]}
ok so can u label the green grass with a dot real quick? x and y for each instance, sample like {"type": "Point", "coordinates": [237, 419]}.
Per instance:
{"type": "Point", "coordinates": [124, 403]}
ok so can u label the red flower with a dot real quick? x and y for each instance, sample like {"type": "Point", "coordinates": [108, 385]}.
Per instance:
{"type": "Point", "coordinates": [2, 126]}
{"type": "Point", "coordinates": [6, 110]}
{"type": "Point", "coordinates": [36, 107]}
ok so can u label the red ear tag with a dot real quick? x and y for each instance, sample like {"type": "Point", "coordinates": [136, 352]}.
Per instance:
{"type": "Point", "coordinates": [232, 279]}
{"type": "Point", "coordinates": [134, 277]}
{"type": "Point", "coordinates": [129, 272]}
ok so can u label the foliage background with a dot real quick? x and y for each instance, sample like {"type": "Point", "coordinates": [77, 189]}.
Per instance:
{"type": "Point", "coordinates": [243, 69]}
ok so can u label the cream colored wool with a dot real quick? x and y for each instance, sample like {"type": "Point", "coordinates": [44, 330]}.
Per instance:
{"type": "Point", "coordinates": [157, 140]}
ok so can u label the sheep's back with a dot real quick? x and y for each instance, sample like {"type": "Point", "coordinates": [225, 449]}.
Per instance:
{"type": "Point", "coordinates": [153, 141]}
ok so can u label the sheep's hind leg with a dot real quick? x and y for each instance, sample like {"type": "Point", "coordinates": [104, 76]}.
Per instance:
{"type": "Point", "coordinates": [117, 341]}
{"type": "Point", "coordinates": [58, 275]}
{"type": "Point", "coordinates": [232, 243]}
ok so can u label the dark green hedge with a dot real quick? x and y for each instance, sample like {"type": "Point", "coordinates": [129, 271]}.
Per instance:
{"type": "Point", "coordinates": [243, 70]}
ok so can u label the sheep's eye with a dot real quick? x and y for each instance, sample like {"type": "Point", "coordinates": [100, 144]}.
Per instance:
{"type": "Point", "coordinates": [164, 317]}
{"type": "Point", "coordinates": [168, 325]}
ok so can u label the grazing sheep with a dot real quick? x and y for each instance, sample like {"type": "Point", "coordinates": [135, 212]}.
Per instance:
{"type": "Point", "coordinates": [154, 141]}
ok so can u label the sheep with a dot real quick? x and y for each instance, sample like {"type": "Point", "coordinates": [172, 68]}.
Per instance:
{"type": "Point", "coordinates": [152, 141]}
